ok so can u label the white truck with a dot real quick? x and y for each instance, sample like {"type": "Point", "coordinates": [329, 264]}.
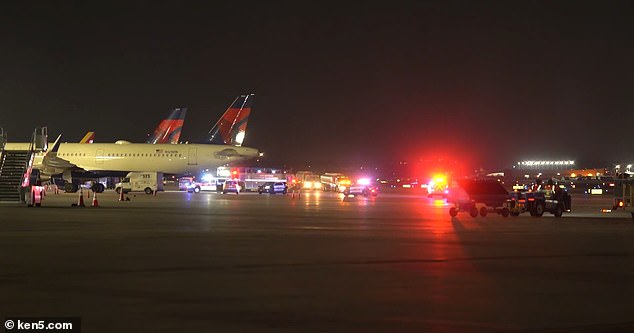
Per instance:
{"type": "Point", "coordinates": [147, 182]}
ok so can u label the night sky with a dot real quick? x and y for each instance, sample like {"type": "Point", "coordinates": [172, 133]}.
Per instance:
{"type": "Point", "coordinates": [486, 82]}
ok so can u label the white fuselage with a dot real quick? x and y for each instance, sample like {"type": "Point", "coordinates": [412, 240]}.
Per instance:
{"type": "Point", "coordinates": [166, 158]}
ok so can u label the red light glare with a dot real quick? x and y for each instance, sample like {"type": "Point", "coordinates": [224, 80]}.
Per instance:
{"type": "Point", "coordinates": [621, 203]}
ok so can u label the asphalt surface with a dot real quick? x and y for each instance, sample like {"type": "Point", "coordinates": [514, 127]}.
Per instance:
{"type": "Point", "coordinates": [208, 262]}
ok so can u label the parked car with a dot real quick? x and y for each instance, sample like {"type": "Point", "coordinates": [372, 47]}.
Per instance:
{"type": "Point", "coordinates": [272, 188]}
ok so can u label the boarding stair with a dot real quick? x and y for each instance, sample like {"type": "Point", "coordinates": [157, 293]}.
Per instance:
{"type": "Point", "coordinates": [16, 164]}
{"type": "Point", "coordinates": [12, 168]}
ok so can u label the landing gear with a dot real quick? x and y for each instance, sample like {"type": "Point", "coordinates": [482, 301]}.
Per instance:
{"type": "Point", "coordinates": [98, 188]}
{"type": "Point", "coordinates": [70, 188]}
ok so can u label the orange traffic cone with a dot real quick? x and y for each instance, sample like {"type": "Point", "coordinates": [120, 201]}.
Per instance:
{"type": "Point", "coordinates": [121, 198]}
{"type": "Point", "coordinates": [95, 203]}
{"type": "Point", "coordinates": [80, 203]}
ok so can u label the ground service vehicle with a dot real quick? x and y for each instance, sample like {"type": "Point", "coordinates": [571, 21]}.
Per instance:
{"type": "Point", "coordinates": [624, 195]}
{"type": "Point", "coordinates": [272, 188]}
{"type": "Point", "coordinates": [147, 182]}
{"type": "Point", "coordinates": [537, 203]}
{"type": "Point", "coordinates": [481, 197]}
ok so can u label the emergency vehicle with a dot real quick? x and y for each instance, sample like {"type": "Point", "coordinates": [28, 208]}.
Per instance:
{"type": "Point", "coordinates": [360, 187]}
{"type": "Point", "coordinates": [334, 182]}
{"type": "Point", "coordinates": [184, 183]}
{"type": "Point", "coordinates": [438, 186]}
{"type": "Point", "coordinates": [308, 180]}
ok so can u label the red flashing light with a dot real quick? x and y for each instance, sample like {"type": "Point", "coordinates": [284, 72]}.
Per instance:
{"type": "Point", "coordinates": [531, 199]}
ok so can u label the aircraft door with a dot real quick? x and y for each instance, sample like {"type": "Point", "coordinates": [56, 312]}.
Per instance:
{"type": "Point", "coordinates": [192, 159]}
{"type": "Point", "coordinates": [99, 156]}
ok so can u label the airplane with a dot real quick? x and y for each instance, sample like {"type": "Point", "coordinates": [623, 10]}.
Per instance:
{"type": "Point", "coordinates": [167, 131]}
{"type": "Point", "coordinates": [64, 158]}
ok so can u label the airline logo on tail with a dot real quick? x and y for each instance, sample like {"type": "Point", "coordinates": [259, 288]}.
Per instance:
{"type": "Point", "coordinates": [232, 126]}
{"type": "Point", "coordinates": [88, 138]}
{"type": "Point", "coordinates": [169, 130]}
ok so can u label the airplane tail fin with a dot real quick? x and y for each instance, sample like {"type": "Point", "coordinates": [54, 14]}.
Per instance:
{"type": "Point", "coordinates": [169, 130]}
{"type": "Point", "coordinates": [88, 138]}
{"type": "Point", "coordinates": [232, 126]}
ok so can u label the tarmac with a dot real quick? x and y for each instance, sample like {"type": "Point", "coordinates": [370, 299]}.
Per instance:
{"type": "Point", "coordinates": [207, 262]}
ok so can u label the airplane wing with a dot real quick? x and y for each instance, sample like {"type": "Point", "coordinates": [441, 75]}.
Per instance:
{"type": "Point", "coordinates": [51, 160]}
